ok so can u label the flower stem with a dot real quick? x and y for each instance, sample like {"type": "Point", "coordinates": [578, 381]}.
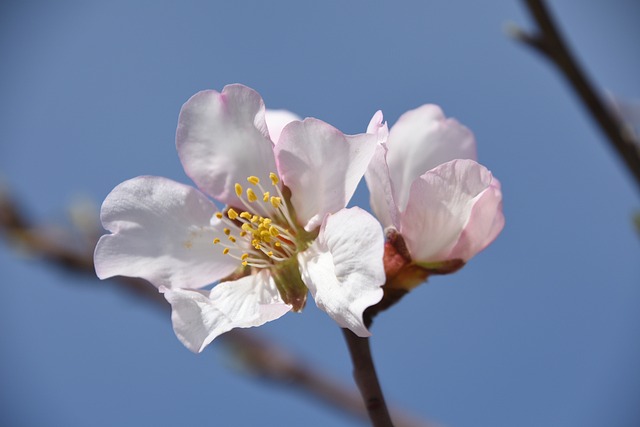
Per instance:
{"type": "Point", "coordinates": [364, 373]}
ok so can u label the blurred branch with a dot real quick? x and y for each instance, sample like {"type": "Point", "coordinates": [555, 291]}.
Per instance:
{"type": "Point", "coordinates": [548, 42]}
{"type": "Point", "coordinates": [261, 357]}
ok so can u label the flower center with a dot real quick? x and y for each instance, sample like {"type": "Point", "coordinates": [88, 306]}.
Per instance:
{"type": "Point", "coordinates": [264, 232]}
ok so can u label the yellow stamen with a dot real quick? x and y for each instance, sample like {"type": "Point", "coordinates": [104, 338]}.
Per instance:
{"type": "Point", "coordinates": [265, 197]}
{"type": "Point", "coordinates": [254, 180]}
{"type": "Point", "coordinates": [243, 233]}
{"type": "Point", "coordinates": [232, 214]}
{"type": "Point", "coordinates": [273, 231]}
{"type": "Point", "coordinates": [274, 178]}
{"type": "Point", "coordinates": [245, 263]}
{"type": "Point", "coordinates": [233, 239]}
{"type": "Point", "coordinates": [227, 231]}
{"type": "Point", "coordinates": [251, 195]}
{"type": "Point", "coordinates": [270, 253]}
{"type": "Point", "coordinates": [238, 190]}
{"type": "Point", "coordinates": [245, 215]}
{"type": "Point", "coordinates": [225, 251]}
{"type": "Point", "coordinates": [216, 241]}
{"type": "Point", "coordinates": [219, 215]}
{"type": "Point", "coordinates": [275, 202]}
{"type": "Point", "coordinates": [244, 256]}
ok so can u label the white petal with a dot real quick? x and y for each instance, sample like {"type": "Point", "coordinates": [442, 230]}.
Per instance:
{"type": "Point", "coordinates": [378, 126]}
{"type": "Point", "coordinates": [440, 206]}
{"type": "Point", "coordinates": [161, 232]}
{"type": "Point", "coordinates": [322, 167]}
{"type": "Point", "coordinates": [277, 120]}
{"type": "Point", "coordinates": [421, 140]}
{"type": "Point", "coordinates": [244, 303]}
{"type": "Point", "coordinates": [343, 268]}
{"type": "Point", "coordinates": [379, 184]}
{"type": "Point", "coordinates": [222, 139]}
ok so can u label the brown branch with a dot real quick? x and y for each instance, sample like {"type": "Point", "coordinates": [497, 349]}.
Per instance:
{"type": "Point", "coordinates": [263, 358]}
{"type": "Point", "coordinates": [364, 373]}
{"type": "Point", "coordinates": [548, 41]}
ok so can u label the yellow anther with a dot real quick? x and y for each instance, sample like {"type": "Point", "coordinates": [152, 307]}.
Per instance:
{"type": "Point", "coordinates": [251, 195]}
{"type": "Point", "coordinates": [244, 256]}
{"type": "Point", "coordinates": [278, 244]}
{"type": "Point", "coordinates": [219, 215]}
{"type": "Point", "coordinates": [247, 227]}
{"type": "Point", "coordinates": [256, 243]}
{"type": "Point", "coordinates": [255, 218]}
{"type": "Point", "coordinates": [216, 241]}
{"type": "Point", "coordinates": [274, 178]}
{"type": "Point", "coordinates": [225, 251]}
{"type": "Point", "coordinates": [227, 231]}
{"type": "Point", "coordinates": [265, 196]}
{"type": "Point", "coordinates": [233, 239]}
{"type": "Point", "coordinates": [270, 253]}
{"type": "Point", "coordinates": [254, 180]}
{"type": "Point", "coordinates": [275, 202]}
{"type": "Point", "coordinates": [273, 231]}
{"type": "Point", "coordinates": [232, 214]}
{"type": "Point", "coordinates": [245, 263]}
{"type": "Point", "coordinates": [245, 215]}
{"type": "Point", "coordinates": [266, 221]}
{"type": "Point", "coordinates": [238, 190]}
{"type": "Point", "coordinates": [243, 233]}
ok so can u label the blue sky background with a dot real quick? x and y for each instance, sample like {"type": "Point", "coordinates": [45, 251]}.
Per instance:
{"type": "Point", "coordinates": [541, 329]}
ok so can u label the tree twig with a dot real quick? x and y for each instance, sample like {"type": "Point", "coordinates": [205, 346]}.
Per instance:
{"type": "Point", "coordinates": [261, 357]}
{"type": "Point", "coordinates": [364, 373]}
{"type": "Point", "coordinates": [548, 41]}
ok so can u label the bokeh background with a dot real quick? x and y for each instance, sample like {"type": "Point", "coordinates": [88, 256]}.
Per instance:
{"type": "Point", "coordinates": [541, 329]}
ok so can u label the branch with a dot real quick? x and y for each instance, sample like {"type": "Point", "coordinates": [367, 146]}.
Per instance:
{"type": "Point", "coordinates": [261, 357]}
{"type": "Point", "coordinates": [548, 42]}
{"type": "Point", "coordinates": [364, 373]}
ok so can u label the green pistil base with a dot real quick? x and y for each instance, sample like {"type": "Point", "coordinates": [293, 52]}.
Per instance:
{"type": "Point", "coordinates": [292, 289]}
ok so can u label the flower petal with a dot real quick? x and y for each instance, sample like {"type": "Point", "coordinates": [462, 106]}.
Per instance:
{"type": "Point", "coordinates": [441, 204]}
{"type": "Point", "coordinates": [322, 167]}
{"type": "Point", "coordinates": [162, 233]}
{"type": "Point", "coordinates": [377, 175]}
{"type": "Point", "coordinates": [244, 303]}
{"type": "Point", "coordinates": [378, 126]}
{"type": "Point", "coordinates": [485, 223]}
{"type": "Point", "coordinates": [379, 184]}
{"type": "Point", "coordinates": [222, 139]}
{"type": "Point", "coordinates": [343, 268]}
{"type": "Point", "coordinates": [277, 120]}
{"type": "Point", "coordinates": [421, 140]}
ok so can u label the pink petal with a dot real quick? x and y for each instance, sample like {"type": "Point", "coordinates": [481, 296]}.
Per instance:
{"type": "Point", "coordinates": [244, 303]}
{"type": "Point", "coordinates": [161, 231]}
{"type": "Point", "coordinates": [222, 139]}
{"type": "Point", "coordinates": [277, 120]}
{"type": "Point", "coordinates": [485, 223]}
{"type": "Point", "coordinates": [379, 185]}
{"type": "Point", "coordinates": [322, 167]}
{"type": "Point", "coordinates": [378, 126]}
{"type": "Point", "coordinates": [343, 268]}
{"type": "Point", "coordinates": [421, 140]}
{"type": "Point", "coordinates": [440, 208]}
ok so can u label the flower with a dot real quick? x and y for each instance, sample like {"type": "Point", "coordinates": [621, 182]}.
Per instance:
{"type": "Point", "coordinates": [438, 205]}
{"type": "Point", "coordinates": [285, 230]}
